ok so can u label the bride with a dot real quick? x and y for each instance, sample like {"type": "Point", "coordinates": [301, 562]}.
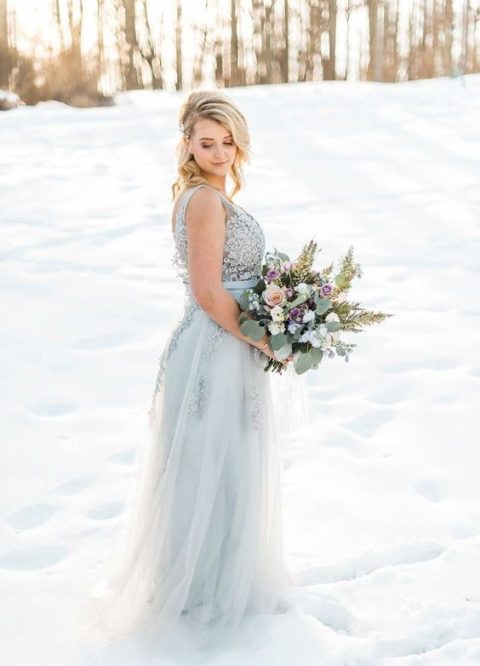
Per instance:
{"type": "Point", "coordinates": [204, 546]}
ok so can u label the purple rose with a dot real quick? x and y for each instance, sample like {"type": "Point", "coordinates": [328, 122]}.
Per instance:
{"type": "Point", "coordinates": [272, 274]}
{"type": "Point", "coordinates": [296, 314]}
{"type": "Point", "coordinates": [326, 289]}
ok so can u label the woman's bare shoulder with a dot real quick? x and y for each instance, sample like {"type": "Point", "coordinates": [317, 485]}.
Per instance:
{"type": "Point", "coordinates": [204, 198]}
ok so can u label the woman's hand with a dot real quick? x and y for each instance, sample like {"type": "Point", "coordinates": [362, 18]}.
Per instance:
{"type": "Point", "coordinates": [270, 353]}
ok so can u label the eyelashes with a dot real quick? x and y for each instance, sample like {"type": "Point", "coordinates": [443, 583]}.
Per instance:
{"type": "Point", "coordinates": [226, 144]}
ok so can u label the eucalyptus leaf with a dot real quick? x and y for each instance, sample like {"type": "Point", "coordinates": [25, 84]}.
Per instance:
{"type": "Point", "coordinates": [282, 353]}
{"type": "Point", "coordinates": [252, 329]}
{"type": "Point", "coordinates": [303, 362]}
{"type": "Point", "coordinates": [278, 341]}
{"type": "Point", "coordinates": [244, 301]}
{"type": "Point", "coordinates": [301, 298]}
{"type": "Point", "coordinates": [333, 326]}
{"type": "Point", "coordinates": [317, 355]}
{"type": "Point", "coordinates": [323, 304]}
{"type": "Point", "coordinates": [298, 332]}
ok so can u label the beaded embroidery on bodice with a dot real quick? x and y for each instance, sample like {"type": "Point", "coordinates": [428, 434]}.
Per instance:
{"type": "Point", "coordinates": [244, 245]}
{"type": "Point", "coordinates": [244, 249]}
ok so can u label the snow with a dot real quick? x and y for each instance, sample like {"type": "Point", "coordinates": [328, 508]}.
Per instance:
{"type": "Point", "coordinates": [381, 498]}
{"type": "Point", "coordinates": [8, 100]}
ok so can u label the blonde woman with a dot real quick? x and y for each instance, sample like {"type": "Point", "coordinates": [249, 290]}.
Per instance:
{"type": "Point", "coordinates": [205, 552]}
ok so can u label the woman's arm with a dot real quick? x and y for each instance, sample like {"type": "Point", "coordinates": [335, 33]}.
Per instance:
{"type": "Point", "coordinates": [205, 221]}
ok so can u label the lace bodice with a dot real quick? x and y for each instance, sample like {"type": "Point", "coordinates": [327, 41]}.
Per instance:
{"type": "Point", "coordinates": [244, 245]}
{"type": "Point", "coordinates": [244, 249]}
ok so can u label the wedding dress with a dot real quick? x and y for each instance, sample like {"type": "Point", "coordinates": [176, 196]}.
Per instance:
{"type": "Point", "coordinates": [204, 548]}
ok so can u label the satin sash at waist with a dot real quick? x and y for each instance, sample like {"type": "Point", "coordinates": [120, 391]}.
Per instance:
{"type": "Point", "coordinates": [236, 284]}
{"type": "Point", "coordinates": [235, 287]}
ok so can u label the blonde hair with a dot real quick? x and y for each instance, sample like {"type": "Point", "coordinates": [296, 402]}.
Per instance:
{"type": "Point", "coordinates": [215, 105]}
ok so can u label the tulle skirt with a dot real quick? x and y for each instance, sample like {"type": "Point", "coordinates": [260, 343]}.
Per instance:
{"type": "Point", "coordinates": [202, 545]}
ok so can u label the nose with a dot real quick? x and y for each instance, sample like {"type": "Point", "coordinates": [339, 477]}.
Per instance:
{"type": "Point", "coordinates": [220, 155]}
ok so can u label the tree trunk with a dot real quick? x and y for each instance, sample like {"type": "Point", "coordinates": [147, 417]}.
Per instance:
{"type": "Point", "coordinates": [375, 41]}
{"type": "Point", "coordinates": [330, 67]}
{"type": "Point", "coordinates": [178, 46]}
{"type": "Point", "coordinates": [285, 57]}
{"type": "Point", "coordinates": [5, 56]}
{"type": "Point", "coordinates": [233, 44]}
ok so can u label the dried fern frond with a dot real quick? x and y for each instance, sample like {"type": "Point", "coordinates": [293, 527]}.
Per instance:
{"type": "Point", "coordinates": [354, 317]}
{"type": "Point", "coordinates": [349, 269]}
{"type": "Point", "coordinates": [304, 264]}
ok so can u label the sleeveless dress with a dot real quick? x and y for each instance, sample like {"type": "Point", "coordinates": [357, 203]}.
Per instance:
{"type": "Point", "coordinates": [205, 548]}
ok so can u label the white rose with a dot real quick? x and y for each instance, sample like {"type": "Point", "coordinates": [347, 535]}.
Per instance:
{"type": "Point", "coordinates": [308, 316]}
{"type": "Point", "coordinates": [303, 288]}
{"type": "Point", "coordinates": [276, 327]}
{"type": "Point", "coordinates": [276, 313]}
{"type": "Point", "coordinates": [332, 316]}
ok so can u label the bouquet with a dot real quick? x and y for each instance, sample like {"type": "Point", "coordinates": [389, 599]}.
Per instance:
{"type": "Point", "coordinates": [304, 310]}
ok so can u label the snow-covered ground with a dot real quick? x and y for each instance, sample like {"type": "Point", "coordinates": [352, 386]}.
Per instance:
{"type": "Point", "coordinates": [382, 498]}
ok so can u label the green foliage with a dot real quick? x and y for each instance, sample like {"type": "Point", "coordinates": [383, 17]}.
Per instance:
{"type": "Point", "coordinates": [333, 326]}
{"type": "Point", "coordinates": [308, 360]}
{"type": "Point", "coordinates": [244, 301]}
{"type": "Point", "coordinates": [252, 329]}
{"type": "Point", "coordinates": [354, 318]}
{"type": "Point", "coordinates": [348, 271]}
{"type": "Point", "coordinates": [278, 341]}
{"type": "Point", "coordinates": [323, 304]}
{"type": "Point", "coordinates": [304, 270]}
{"type": "Point", "coordinates": [351, 316]}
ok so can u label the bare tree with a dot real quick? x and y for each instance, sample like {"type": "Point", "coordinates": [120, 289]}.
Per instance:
{"type": "Point", "coordinates": [100, 40]}
{"type": "Point", "coordinates": [330, 62]}
{"type": "Point", "coordinates": [447, 42]}
{"type": "Point", "coordinates": [234, 79]}
{"type": "Point", "coordinates": [375, 25]}
{"type": "Point", "coordinates": [178, 46]}
{"type": "Point", "coordinates": [130, 48]}
{"type": "Point", "coordinates": [5, 56]}
{"type": "Point", "coordinates": [285, 52]}
{"type": "Point", "coordinates": [149, 52]}
{"type": "Point", "coordinates": [58, 20]}
{"type": "Point", "coordinates": [205, 46]}
{"type": "Point", "coordinates": [250, 42]}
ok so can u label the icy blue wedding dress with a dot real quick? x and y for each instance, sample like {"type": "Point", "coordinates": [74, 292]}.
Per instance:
{"type": "Point", "coordinates": [205, 546]}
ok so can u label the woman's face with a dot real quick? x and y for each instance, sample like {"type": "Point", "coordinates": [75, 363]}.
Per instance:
{"type": "Point", "coordinates": [212, 147]}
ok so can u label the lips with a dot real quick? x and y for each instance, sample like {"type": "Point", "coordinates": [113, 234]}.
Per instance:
{"type": "Point", "coordinates": [219, 164]}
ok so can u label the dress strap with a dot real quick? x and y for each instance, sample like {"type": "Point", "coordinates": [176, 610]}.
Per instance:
{"type": "Point", "coordinates": [188, 193]}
